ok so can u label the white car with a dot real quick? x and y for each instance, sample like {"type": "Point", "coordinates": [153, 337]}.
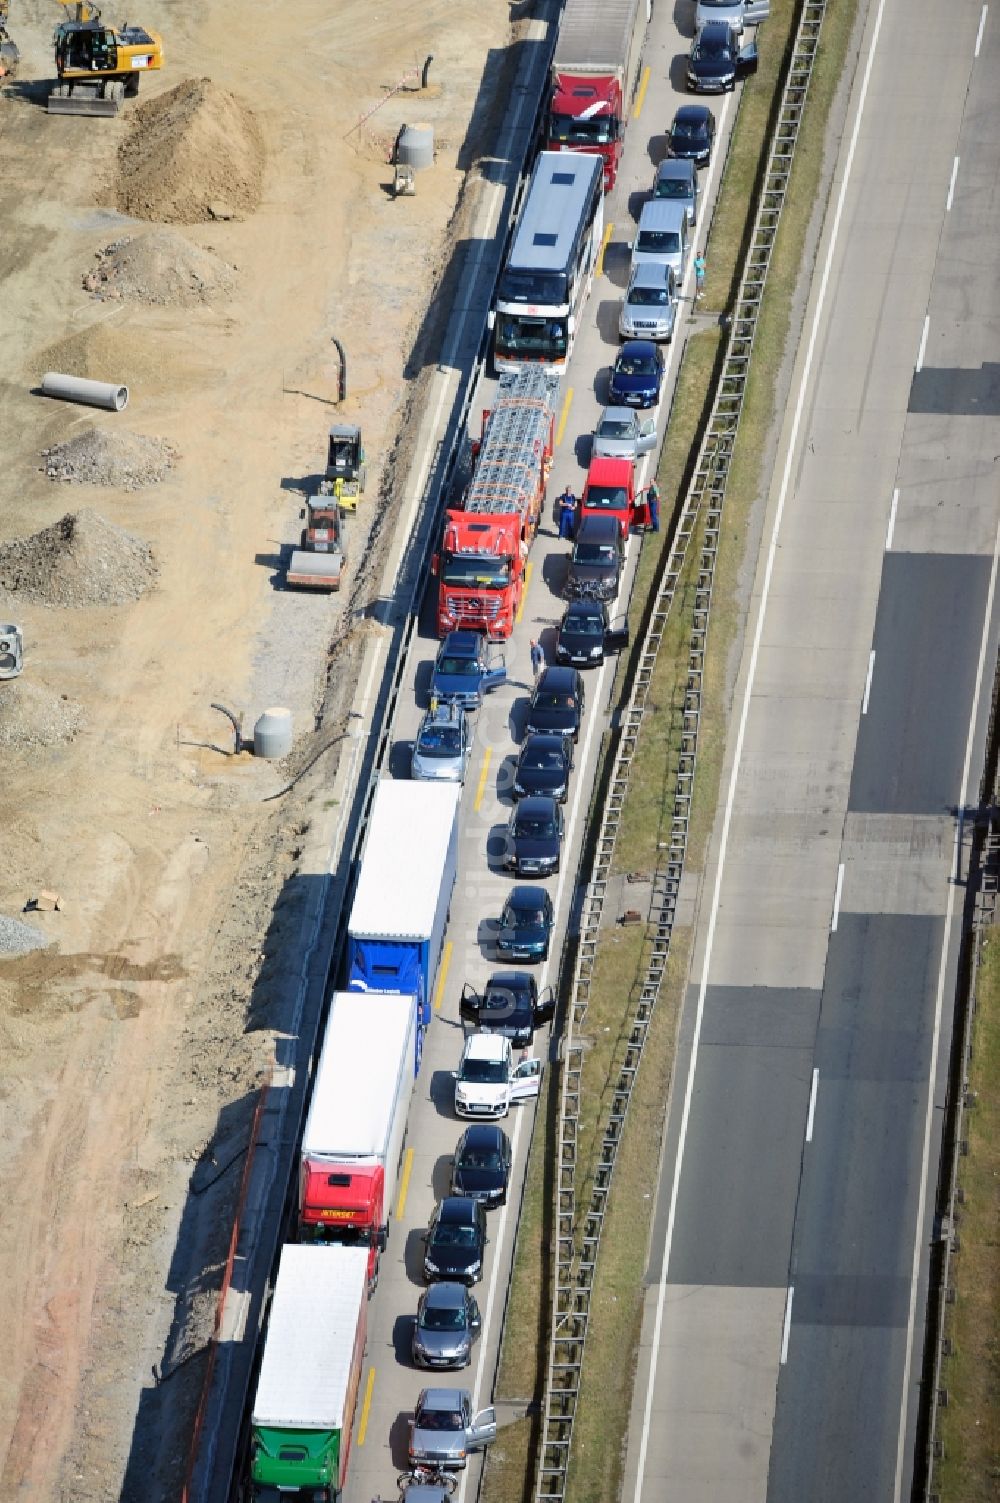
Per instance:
{"type": "Point", "coordinates": [738, 13]}
{"type": "Point", "coordinates": [488, 1082]}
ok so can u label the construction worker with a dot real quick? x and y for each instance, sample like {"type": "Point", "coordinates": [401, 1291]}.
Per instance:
{"type": "Point", "coordinates": [567, 513]}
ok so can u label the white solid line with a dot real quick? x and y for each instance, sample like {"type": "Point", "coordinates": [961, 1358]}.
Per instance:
{"type": "Point", "coordinates": [979, 33]}
{"type": "Point", "coordinates": [786, 1329]}
{"type": "Point", "coordinates": [812, 1107]}
{"type": "Point", "coordinates": [892, 519]}
{"type": "Point", "coordinates": [951, 186]}
{"type": "Point", "coordinates": [836, 899]}
{"type": "Point", "coordinates": [919, 1233]}
{"type": "Point", "coordinates": [868, 682]}
{"type": "Point", "coordinates": [741, 736]}
{"type": "Point", "coordinates": [923, 342]}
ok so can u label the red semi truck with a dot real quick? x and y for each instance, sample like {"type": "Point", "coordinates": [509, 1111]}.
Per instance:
{"type": "Point", "coordinates": [354, 1132]}
{"type": "Point", "coordinates": [484, 548]}
{"type": "Point", "coordinates": [594, 74]}
{"type": "Point", "coordinates": [610, 491]}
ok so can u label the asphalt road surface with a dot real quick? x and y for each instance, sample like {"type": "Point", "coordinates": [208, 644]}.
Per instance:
{"type": "Point", "coordinates": [784, 1318]}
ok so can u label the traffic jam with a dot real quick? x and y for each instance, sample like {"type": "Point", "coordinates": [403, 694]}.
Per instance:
{"type": "Point", "coordinates": [380, 1350]}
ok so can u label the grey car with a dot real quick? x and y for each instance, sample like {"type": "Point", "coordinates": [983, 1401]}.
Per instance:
{"type": "Point", "coordinates": [623, 433]}
{"type": "Point", "coordinates": [444, 742]}
{"type": "Point", "coordinates": [738, 13]}
{"type": "Point", "coordinates": [649, 307]}
{"type": "Point", "coordinates": [447, 1323]}
{"type": "Point", "coordinates": [444, 1430]}
{"type": "Point", "coordinates": [677, 179]}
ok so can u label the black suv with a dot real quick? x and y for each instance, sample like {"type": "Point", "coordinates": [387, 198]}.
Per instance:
{"type": "Point", "coordinates": [510, 1005]}
{"type": "Point", "coordinates": [716, 61]}
{"type": "Point", "coordinates": [595, 566]}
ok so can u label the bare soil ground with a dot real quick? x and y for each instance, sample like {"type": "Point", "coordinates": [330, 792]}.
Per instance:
{"type": "Point", "coordinates": [127, 1040]}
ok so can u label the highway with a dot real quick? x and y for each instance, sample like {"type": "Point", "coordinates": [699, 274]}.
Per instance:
{"type": "Point", "coordinates": [783, 1323]}
{"type": "Point", "coordinates": [390, 1383]}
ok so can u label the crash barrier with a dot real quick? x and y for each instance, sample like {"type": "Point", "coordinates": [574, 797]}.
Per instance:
{"type": "Point", "coordinates": [581, 1207]}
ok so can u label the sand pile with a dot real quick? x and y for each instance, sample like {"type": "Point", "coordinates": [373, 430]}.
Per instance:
{"type": "Point", "coordinates": [80, 560]}
{"type": "Point", "coordinates": [193, 154]}
{"type": "Point", "coordinates": [161, 267]}
{"type": "Point", "coordinates": [102, 456]}
{"type": "Point", "coordinates": [31, 715]}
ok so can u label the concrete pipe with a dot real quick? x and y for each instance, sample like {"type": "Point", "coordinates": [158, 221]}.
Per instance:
{"type": "Point", "coordinates": [106, 394]}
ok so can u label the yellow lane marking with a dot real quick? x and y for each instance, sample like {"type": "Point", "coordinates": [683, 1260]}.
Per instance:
{"type": "Point", "coordinates": [443, 975]}
{"type": "Point", "coordinates": [567, 404]}
{"type": "Point", "coordinates": [640, 98]}
{"type": "Point", "coordinates": [482, 779]}
{"type": "Point", "coordinates": [524, 595]}
{"type": "Point", "coordinates": [363, 1427]}
{"type": "Point", "coordinates": [404, 1183]}
{"type": "Point", "coordinates": [609, 230]}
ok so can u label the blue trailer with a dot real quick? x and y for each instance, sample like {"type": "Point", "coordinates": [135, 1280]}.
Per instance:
{"type": "Point", "coordinates": [408, 864]}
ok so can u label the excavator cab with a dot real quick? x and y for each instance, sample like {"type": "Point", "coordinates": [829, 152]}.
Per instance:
{"type": "Point", "coordinates": [98, 66]}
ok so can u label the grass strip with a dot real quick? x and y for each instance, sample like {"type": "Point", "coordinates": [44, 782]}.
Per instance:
{"type": "Point", "coordinates": [616, 1310]}
{"type": "Point", "coordinates": [969, 1425]}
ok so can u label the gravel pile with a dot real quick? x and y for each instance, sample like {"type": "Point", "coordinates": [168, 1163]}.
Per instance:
{"type": "Point", "coordinates": [193, 154]}
{"type": "Point", "coordinates": [80, 560]}
{"type": "Point", "coordinates": [161, 267]}
{"type": "Point", "coordinates": [33, 716]}
{"type": "Point", "coordinates": [17, 938]}
{"type": "Point", "coordinates": [102, 456]}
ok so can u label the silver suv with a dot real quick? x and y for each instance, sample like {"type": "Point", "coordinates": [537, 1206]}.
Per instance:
{"type": "Point", "coordinates": [649, 307]}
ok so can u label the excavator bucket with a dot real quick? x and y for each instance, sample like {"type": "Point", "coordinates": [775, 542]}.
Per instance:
{"type": "Point", "coordinates": [314, 571]}
{"type": "Point", "coordinates": [82, 104]}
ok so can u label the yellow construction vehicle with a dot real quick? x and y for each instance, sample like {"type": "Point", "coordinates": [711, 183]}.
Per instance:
{"type": "Point", "coordinates": [9, 55]}
{"type": "Point", "coordinates": [99, 66]}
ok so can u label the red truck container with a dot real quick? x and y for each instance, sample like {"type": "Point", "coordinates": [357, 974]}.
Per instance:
{"type": "Point", "coordinates": [610, 491]}
{"type": "Point", "coordinates": [595, 70]}
{"type": "Point", "coordinates": [484, 548]}
{"type": "Point", "coordinates": [354, 1132]}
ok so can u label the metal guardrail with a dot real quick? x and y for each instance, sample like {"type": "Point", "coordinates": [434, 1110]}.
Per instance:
{"type": "Point", "coordinates": [578, 1240]}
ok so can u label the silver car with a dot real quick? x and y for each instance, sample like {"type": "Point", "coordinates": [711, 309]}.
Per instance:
{"type": "Point", "coordinates": [738, 13]}
{"type": "Point", "coordinates": [623, 433]}
{"type": "Point", "coordinates": [443, 1430]}
{"type": "Point", "coordinates": [444, 742]}
{"type": "Point", "coordinates": [677, 178]}
{"type": "Point", "coordinates": [649, 307]}
{"type": "Point", "coordinates": [447, 1323]}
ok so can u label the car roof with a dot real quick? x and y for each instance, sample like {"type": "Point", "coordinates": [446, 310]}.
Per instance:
{"type": "Point", "coordinates": [662, 213]}
{"type": "Point", "coordinates": [638, 347]}
{"type": "Point", "coordinates": [620, 414]}
{"type": "Point", "coordinates": [445, 713]}
{"type": "Point", "coordinates": [442, 1398]}
{"type": "Point", "coordinates": [525, 897]}
{"type": "Point", "coordinates": [535, 805]}
{"type": "Point", "coordinates": [490, 1046]}
{"type": "Point", "coordinates": [545, 737]}
{"type": "Point", "coordinates": [692, 114]}
{"type": "Point", "coordinates": [677, 167]}
{"type": "Point", "coordinates": [652, 274]}
{"type": "Point", "coordinates": [481, 1134]}
{"type": "Point", "coordinates": [563, 678]}
{"type": "Point", "coordinates": [460, 643]}
{"type": "Point", "coordinates": [598, 529]}
{"type": "Point", "coordinates": [715, 33]}
{"type": "Point", "coordinates": [585, 607]}
{"type": "Point", "coordinates": [444, 1295]}
{"type": "Point", "coordinates": [514, 981]}
{"type": "Point", "coordinates": [460, 1208]}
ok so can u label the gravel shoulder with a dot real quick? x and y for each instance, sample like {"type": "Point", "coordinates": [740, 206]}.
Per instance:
{"type": "Point", "coordinates": [132, 1051]}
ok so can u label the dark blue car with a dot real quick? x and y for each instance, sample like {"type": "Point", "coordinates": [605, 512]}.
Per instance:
{"type": "Point", "coordinates": [465, 669]}
{"type": "Point", "coordinates": [637, 374]}
{"type": "Point", "coordinates": [525, 928]}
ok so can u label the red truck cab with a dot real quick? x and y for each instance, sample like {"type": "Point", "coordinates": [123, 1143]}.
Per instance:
{"type": "Point", "coordinates": [610, 491]}
{"type": "Point", "coordinates": [345, 1205]}
{"type": "Point", "coordinates": [588, 115]}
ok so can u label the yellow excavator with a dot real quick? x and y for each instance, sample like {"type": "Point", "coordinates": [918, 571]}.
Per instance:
{"type": "Point", "coordinates": [99, 66]}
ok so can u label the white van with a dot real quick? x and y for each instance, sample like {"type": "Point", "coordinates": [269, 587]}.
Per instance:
{"type": "Point", "coordinates": [662, 236]}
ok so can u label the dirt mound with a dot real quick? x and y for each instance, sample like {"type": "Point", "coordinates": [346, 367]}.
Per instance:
{"type": "Point", "coordinates": [110, 352]}
{"type": "Point", "coordinates": [162, 268]}
{"type": "Point", "coordinates": [100, 456]}
{"type": "Point", "coordinates": [80, 560]}
{"type": "Point", "coordinates": [193, 154]}
{"type": "Point", "coordinates": [31, 715]}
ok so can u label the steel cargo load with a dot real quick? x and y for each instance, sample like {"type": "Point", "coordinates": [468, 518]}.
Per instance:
{"type": "Point", "coordinates": [356, 1125]}
{"type": "Point", "coordinates": [303, 1410]}
{"type": "Point", "coordinates": [401, 903]}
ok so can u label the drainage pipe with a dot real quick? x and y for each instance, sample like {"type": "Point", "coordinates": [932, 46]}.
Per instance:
{"type": "Point", "coordinates": [93, 393]}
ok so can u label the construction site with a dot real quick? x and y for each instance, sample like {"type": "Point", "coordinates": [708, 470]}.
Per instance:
{"type": "Point", "coordinates": [228, 243]}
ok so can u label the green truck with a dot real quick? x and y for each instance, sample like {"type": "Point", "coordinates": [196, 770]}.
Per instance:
{"type": "Point", "coordinates": [303, 1410]}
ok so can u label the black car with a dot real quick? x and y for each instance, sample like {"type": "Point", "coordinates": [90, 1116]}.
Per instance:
{"type": "Point", "coordinates": [692, 134]}
{"type": "Point", "coordinates": [510, 1005]}
{"type": "Point", "coordinates": [585, 634]}
{"type": "Point", "coordinates": [525, 929]}
{"type": "Point", "coordinates": [481, 1166]}
{"type": "Point", "coordinates": [543, 766]}
{"type": "Point", "coordinates": [557, 703]}
{"type": "Point", "coordinates": [716, 60]}
{"type": "Point", "coordinates": [455, 1241]}
{"type": "Point", "coordinates": [534, 838]}
{"type": "Point", "coordinates": [597, 560]}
